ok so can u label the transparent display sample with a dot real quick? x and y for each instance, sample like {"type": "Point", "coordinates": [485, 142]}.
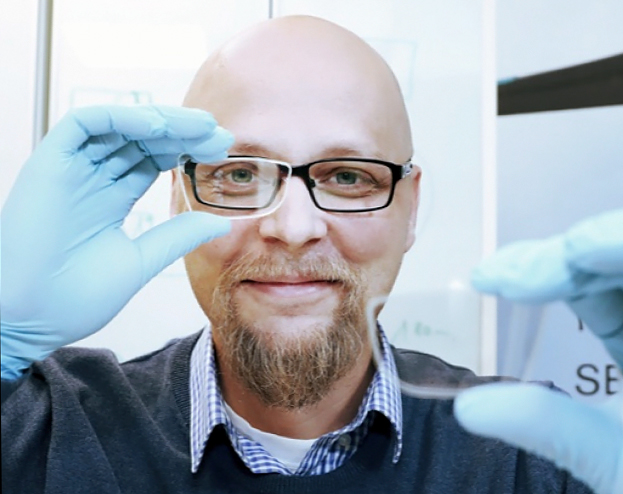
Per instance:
{"type": "Point", "coordinates": [237, 187]}
{"type": "Point", "coordinates": [422, 331]}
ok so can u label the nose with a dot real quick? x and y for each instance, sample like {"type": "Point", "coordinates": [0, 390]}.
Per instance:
{"type": "Point", "coordinates": [297, 222]}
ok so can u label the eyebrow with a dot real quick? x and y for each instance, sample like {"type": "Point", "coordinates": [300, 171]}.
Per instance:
{"type": "Point", "coordinates": [335, 151]}
{"type": "Point", "coordinates": [249, 149]}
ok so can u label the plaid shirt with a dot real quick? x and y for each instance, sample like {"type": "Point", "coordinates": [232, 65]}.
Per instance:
{"type": "Point", "coordinates": [327, 453]}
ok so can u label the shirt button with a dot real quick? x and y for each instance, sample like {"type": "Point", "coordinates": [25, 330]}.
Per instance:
{"type": "Point", "coordinates": [344, 440]}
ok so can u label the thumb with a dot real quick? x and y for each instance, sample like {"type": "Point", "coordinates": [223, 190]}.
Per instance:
{"type": "Point", "coordinates": [583, 439]}
{"type": "Point", "coordinates": [603, 313]}
{"type": "Point", "coordinates": [167, 242]}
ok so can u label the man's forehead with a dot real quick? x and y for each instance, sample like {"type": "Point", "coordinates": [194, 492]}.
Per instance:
{"type": "Point", "coordinates": [309, 74]}
{"type": "Point", "coordinates": [299, 51]}
{"type": "Point", "coordinates": [304, 39]}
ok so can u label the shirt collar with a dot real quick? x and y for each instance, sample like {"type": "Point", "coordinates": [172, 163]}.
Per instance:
{"type": "Point", "coordinates": [207, 407]}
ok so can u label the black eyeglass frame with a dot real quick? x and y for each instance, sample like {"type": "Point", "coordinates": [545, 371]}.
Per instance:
{"type": "Point", "coordinates": [398, 171]}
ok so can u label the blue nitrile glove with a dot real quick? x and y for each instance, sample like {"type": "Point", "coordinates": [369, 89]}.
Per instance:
{"type": "Point", "coordinates": [584, 267]}
{"type": "Point", "coordinates": [67, 266]}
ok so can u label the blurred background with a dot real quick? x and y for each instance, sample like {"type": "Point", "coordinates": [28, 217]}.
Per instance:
{"type": "Point", "coordinates": [557, 167]}
{"type": "Point", "coordinates": [488, 179]}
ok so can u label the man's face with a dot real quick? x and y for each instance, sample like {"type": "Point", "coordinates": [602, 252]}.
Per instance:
{"type": "Point", "coordinates": [298, 279]}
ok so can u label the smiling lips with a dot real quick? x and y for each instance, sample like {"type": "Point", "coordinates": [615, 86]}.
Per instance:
{"type": "Point", "coordinates": [289, 286]}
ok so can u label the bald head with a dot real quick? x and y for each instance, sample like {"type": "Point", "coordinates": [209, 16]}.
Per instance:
{"type": "Point", "coordinates": [301, 78]}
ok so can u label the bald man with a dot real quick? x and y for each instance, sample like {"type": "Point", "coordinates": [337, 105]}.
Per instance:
{"type": "Point", "coordinates": [280, 393]}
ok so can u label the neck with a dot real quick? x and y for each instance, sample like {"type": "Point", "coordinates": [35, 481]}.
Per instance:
{"type": "Point", "coordinates": [334, 411]}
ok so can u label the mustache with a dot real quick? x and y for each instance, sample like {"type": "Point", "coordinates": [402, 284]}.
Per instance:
{"type": "Point", "coordinates": [283, 264]}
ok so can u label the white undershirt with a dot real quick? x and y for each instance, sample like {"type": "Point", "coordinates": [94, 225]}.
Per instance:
{"type": "Point", "coordinates": [287, 450]}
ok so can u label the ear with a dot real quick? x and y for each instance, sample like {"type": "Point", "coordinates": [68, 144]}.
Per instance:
{"type": "Point", "coordinates": [176, 202]}
{"type": "Point", "coordinates": [414, 205]}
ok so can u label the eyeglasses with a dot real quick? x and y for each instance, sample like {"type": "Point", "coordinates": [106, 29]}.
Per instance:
{"type": "Point", "coordinates": [250, 185]}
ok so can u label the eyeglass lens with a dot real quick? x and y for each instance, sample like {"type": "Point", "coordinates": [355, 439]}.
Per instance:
{"type": "Point", "coordinates": [243, 184]}
{"type": "Point", "coordinates": [350, 185]}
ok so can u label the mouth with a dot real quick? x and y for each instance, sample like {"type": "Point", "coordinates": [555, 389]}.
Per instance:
{"type": "Point", "coordinates": [290, 287]}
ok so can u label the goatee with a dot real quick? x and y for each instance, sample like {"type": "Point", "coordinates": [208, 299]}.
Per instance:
{"type": "Point", "coordinates": [293, 372]}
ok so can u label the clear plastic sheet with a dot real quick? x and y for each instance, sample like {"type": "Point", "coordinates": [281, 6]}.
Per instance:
{"type": "Point", "coordinates": [432, 378]}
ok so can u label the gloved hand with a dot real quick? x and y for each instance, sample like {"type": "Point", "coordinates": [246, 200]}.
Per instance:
{"type": "Point", "coordinates": [67, 266]}
{"type": "Point", "coordinates": [584, 267]}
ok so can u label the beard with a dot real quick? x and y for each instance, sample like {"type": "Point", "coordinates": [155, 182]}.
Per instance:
{"type": "Point", "coordinates": [297, 371]}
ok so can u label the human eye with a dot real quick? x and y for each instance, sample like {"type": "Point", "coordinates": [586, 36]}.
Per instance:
{"type": "Point", "coordinates": [230, 178]}
{"type": "Point", "coordinates": [239, 175]}
{"type": "Point", "coordinates": [355, 179]}
{"type": "Point", "coordinates": [347, 177]}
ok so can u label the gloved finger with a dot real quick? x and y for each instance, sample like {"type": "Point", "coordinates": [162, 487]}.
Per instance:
{"type": "Point", "coordinates": [584, 439]}
{"type": "Point", "coordinates": [596, 245]}
{"type": "Point", "coordinates": [536, 271]}
{"type": "Point", "coordinates": [529, 271]}
{"type": "Point", "coordinates": [165, 152]}
{"type": "Point", "coordinates": [166, 162]}
{"type": "Point", "coordinates": [603, 313]}
{"type": "Point", "coordinates": [186, 123]}
{"type": "Point", "coordinates": [139, 179]}
{"type": "Point", "coordinates": [201, 149]}
{"type": "Point", "coordinates": [135, 122]}
{"type": "Point", "coordinates": [121, 161]}
{"type": "Point", "coordinates": [176, 237]}
{"type": "Point", "coordinates": [98, 148]}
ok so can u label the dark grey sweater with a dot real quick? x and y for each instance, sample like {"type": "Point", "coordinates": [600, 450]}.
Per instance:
{"type": "Point", "coordinates": [80, 422]}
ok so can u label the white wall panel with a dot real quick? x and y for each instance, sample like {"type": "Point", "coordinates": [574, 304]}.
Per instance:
{"type": "Point", "coordinates": [18, 26]}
